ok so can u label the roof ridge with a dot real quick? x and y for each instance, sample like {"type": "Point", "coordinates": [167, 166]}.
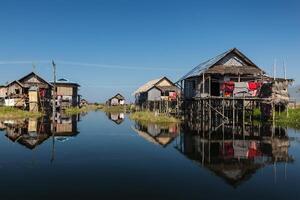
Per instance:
{"type": "Point", "coordinates": [202, 66]}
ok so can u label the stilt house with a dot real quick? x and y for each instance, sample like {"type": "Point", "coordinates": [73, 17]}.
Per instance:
{"type": "Point", "coordinates": [157, 90]}
{"type": "Point", "coordinates": [67, 93]}
{"type": "Point", "coordinates": [18, 91]}
{"type": "Point", "coordinates": [116, 100]}
{"type": "Point", "coordinates": [230, 74]}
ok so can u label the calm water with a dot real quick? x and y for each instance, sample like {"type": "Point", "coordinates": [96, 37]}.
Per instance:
{"type": "Point", "coordinates": [106, 156]}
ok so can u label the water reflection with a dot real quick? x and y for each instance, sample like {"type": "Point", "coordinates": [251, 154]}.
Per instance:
{"type": "Point", "coordinates": [234, 154]}
{"type": "Point", "coordinates": [157, 133]}
{"type": "Point", "coordinates": [118, 118]}
{"type": "Point", "coordinates": [33, 132]}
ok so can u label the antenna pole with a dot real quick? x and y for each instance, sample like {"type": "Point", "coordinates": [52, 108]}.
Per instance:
{"type": "Point", "coordinates": [274, 69]}
{"type": "Point", "coordinates": [284, 68]}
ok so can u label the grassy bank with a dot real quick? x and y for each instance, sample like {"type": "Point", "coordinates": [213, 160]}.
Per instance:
{"type": "Point", "coordinates": [115, 109]}
{"type": "Point", "coordinates": [15, 113]}
{"type": "Point", "coordinates": [292, 120]}
{"type": "Point", "coordinates": [76, 110]}
{"type": "Point", "coordinates": [152, 117]}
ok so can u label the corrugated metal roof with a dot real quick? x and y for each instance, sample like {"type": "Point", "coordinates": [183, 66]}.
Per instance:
{"type": "Point", "coordinates": [205, 65]}
{"type": "Point", "coordinates": [65, 81]}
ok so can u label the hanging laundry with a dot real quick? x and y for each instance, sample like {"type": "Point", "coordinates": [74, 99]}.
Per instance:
{"type": "Point", "coordinates": [229, 86]}
{"type": "Point", "coordinates": [172, 95]}
{"type": "Point", "coordinates": [241, 89]}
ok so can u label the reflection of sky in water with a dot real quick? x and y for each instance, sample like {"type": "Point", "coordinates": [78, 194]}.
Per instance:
{"type": "Point", "coordinates": [136, 161]}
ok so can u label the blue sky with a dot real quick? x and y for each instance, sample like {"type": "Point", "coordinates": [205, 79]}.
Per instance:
{"type": "Point", "coordinates": [115, 46]}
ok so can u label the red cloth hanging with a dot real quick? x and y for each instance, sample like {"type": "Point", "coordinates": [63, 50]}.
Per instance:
{"type": "Point", "coordinates": [42, 92]}
{"type": "Point", "coordinates": [229, 86]}
{"type": "Point", "coordinates": [252, 86]}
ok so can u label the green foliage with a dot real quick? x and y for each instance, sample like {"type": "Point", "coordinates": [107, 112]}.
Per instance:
{"type": "Point", "coordinates": [256, 113]}
{"type": "Point", "coordinates": [77, 110]}
{"type": "Point", "coordinates": [115, 109]}
{"type": "Point", "coordinates": [291, 120]}
{"type": "Point", "coordinates": [152, 117]}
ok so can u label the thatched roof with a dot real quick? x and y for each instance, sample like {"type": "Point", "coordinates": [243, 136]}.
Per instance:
{"type": "Point", "coordinates": [147, 86]}
{"type": "Point", "coordinates": [235, 70]}
{"type": "Point", "coordinates": [155, 83]}
{"type": "Point", "coordinates": [167, 88]}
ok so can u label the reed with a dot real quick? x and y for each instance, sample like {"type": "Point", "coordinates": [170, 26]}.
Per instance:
{"type": "Point", "coordinates": [152, 117]}
{"type": "Point", "coordinates": [15, 113]}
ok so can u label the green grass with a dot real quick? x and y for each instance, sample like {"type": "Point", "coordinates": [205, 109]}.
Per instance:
{"type": "Point", "coordinates": [76, 110]}
{"type": "Point", "coordinates": [152, 117]}
{"type": "Point", "coordinates": [15, 113]}
{"type": "Point", "coordinates": [292, 120]}
{"type": "Point", "coordinates": [115, 109]}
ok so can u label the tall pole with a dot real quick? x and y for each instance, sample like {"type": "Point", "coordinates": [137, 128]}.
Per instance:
{"type": "Point", "coordinates": [54, 89]}
{"type": "Point", "coordinates": [284, 69]}
{"type": "Point", "coordinates": [274, 69]}
{"type": "Point", "coordinates": [53, 109]}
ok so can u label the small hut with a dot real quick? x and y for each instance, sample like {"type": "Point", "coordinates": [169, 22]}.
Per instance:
{"type": "Point", "coordinates": [116, 100]}
{"type": "Point", "coordinates": [83, 102]}
{"type": "Point", "coordinates": [161, 89]}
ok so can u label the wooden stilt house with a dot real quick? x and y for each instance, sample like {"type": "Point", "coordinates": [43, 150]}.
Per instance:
{"type": "Point", "coordinates": [230, 75]}
{"type": "Point", "coordinates": [157, 90]}
{"type": "Point", "coordinates": [67, 93]}
{"type": "Point", "coordinates": [18, 91]}
{"type": "Point", "coordinates": [116, 100]}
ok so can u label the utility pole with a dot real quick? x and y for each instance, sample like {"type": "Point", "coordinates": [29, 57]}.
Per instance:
{"type": "Point", "coordinates": [274, 69]}
{"type": "Point", "coordinates": [54, 89]}
{"type": "Point", "coordinates": [284, 69]}
{"type": "Point", "coordinates": [53, 110]}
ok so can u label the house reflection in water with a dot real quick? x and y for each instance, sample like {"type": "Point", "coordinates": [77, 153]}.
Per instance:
{"type": "Point", "coordinates": [118, 118]}
{"type": "Point", "coordinates": [29, 133]}
{"type": "Point", "coordinates": [33, 132]}
{"type": "Point", "coordinates": [65, 126]}
{"type": "Point", "coordinates": [156, 133]}
{"type": "Point", "coordinates": [235, 157]}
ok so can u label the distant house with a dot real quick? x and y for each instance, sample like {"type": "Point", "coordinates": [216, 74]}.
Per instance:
{"type": "Point", "coordinates": [67, 93]}
{"type": "Point", "coordinates": [157, 90]}
{"type": "Point", "coordinates": [83, 102]}
{"type": "Point", "coordinates": [116, 100]}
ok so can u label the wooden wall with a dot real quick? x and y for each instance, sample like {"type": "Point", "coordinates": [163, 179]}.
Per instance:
{"type": "Point", "coordinates": [154, 94]}
{"type": "Point", "coordinates": [11, 90]}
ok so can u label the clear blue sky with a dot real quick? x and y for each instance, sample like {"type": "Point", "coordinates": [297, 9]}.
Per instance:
{"type": "Point", "coordinates": [129, 42]}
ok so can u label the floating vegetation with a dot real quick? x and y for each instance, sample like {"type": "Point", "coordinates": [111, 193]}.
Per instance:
{"type": "Point", "coordinates": [291, 120]}
{"type": "Point", "coordinates": [15, 113]}
{"type": "Point", "coordinates": [147, 116]}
